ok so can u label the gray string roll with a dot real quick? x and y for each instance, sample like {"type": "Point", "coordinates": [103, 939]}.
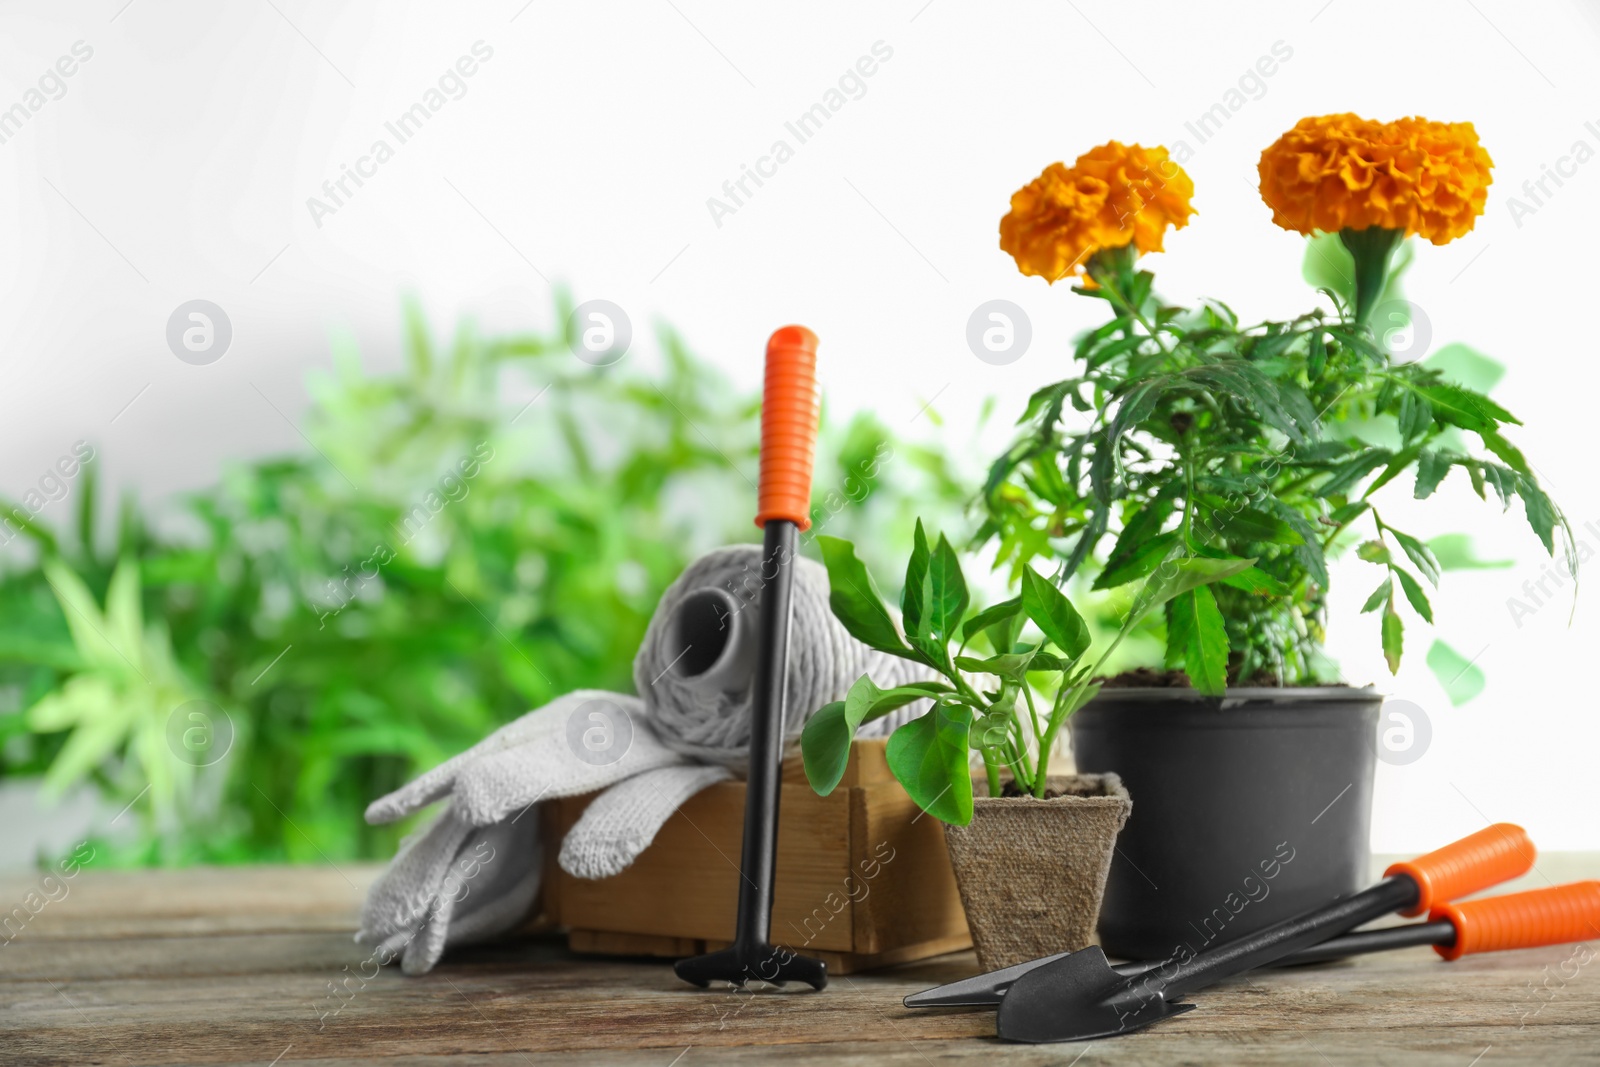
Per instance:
{"type": "Point", "coordinates": [694, 668]}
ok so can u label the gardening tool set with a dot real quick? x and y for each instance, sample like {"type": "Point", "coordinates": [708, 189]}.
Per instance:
{"type": "Point", "coordinates": [1075, 996]}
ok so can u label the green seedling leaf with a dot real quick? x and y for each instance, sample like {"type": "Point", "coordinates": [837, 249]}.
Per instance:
{"type": "Point", "coordinates": [949, 587]}
{"type": "Point", "coordinates": [914, 594]}
{"type": "Point", "coordinates": [935, 596]}
{"type": "Point", "coordinates": [1054, 614]}
{"type": "Point", "coordinates": [825, 741]}
{"type": "Point", "coordinates": [928, 756]}
{"type": "Point", "coordinates": [995, 614]}
{"type": "Point", "coordinates": [855, 599]}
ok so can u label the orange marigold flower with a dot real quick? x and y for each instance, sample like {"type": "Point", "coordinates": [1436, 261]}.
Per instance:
{"type": "Point", "coordinates": [1113, 195]}
{"type": "Point", "coordinates": [1344, 172]}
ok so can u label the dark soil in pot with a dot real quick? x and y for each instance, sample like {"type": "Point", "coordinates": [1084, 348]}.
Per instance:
{"type": "Point", "coordinates": [1253, 806]}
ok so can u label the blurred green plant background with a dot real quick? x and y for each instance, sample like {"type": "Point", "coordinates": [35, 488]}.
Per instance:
{"type": "Point", "coordinates": [461, 541]}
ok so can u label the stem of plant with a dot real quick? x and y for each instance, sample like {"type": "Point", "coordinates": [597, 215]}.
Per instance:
{"type": "Point", "coordinates": [991, 767]}
{"type": "Point", "coordinates": [1371, 250]}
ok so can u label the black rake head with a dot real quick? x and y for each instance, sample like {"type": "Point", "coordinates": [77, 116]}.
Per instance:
{"type": "Point", "coordinates": [741, 965]}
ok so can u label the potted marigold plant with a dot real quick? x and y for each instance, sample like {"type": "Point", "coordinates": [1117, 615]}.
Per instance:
{"type": "Point", "coordinates": [1184, 433]}
{"type": "Point", "coordinates": [1030, 850]}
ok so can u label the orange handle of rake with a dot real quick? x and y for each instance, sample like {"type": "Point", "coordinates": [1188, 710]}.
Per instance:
{"type": "Point", "coordinates": [1493, 855]}
{"type": "Point", "coordinates": [1552, 916]}
{"type": "Point", "coordinates": [788, 427]}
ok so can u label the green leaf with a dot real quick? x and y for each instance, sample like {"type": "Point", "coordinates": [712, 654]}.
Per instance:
{"type": "Point", "coordinates": [1461, 678]}
{"type": "Point", "coordinates": [1011, 665]}
{"type": "Point", "coordinates": [1465, 408]}
{"type": "Point", "coordinates": [1541, 513]}
{"type": "Point", "coordinates": [935, 597]}
{"type": "Point", "coordinates": [914, 592]}
{"type": "Point", "coordinates": [1413, 590]}
{"type": "Point", "coordinates": [1393, 631]}
{"type": "Point", "coordinates": [1177, 576]}
{"type": "Point", "coordinates": [1054, 614]}
{"type": "Point", "coordinates": [928, 756]}
{"type": "Point", "coordinates": [1416, 415]}
{"type": "Point", "coordinates": [1507, 452]}
{"type": "Point", "coordinates": [1380, 596]}
{"type": "Point", "coordinates": [1005, 611]}
{"type": "Point", "coordinates": [1206, 640]}
{"type": "Point", "coordinates": [1419, 554]}
{"type": "Point", "coordinates": [1352, 471]}
{"type": "Point", "coordinates": [1372, 552]}
{"type": "Point", "coordinates": [1257, 581]}
{"type": "Point", "coordinates": [1431, 469]}
{"type": "Point", "coordinates": [855, 600]}
{"type": "Point", "coordinates": [1138, 561]}
{"type": "Point", "coordinates": [94, 638]}
{"type": "Point", "coordinates": [949, 590]}
{"type": "Point", "coordinates": [825, 740]}
{"type": "Point", "coordinates": [1178, 625]}
{"type": "Point", "coordinates": [825, 746]}
{"type": "Point", "coordinates": [1253, 524]}
{"type": "Point", "coordinates": [1049, 397]}
{"type": "Point", "coordinates": [1316, 355]}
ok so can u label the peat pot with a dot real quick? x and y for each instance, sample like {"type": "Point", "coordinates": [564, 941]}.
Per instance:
{"type": "Point", "coordinates": [1253, 806]}
{"type": "Point", "coordinates": [1031, 872]}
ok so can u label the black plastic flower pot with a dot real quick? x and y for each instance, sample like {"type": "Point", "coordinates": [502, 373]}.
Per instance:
{"type": "Point", "coordinates": [1249, 808]}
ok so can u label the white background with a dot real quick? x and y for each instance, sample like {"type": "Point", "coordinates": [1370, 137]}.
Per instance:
{"type": "Point", "coordinates": [179, 162]}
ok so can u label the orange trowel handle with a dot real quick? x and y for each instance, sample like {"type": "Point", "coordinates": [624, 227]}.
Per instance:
{"type": "Point", "coordinates": [788, 427]}
{"type": "Point", "coordinates": [1552, 916]}
{"type": "Point", "coordinates": [1493, 855]}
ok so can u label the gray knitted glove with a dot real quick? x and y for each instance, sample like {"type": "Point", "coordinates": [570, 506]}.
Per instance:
{"type": "Point", "coordinates": [475, 871]}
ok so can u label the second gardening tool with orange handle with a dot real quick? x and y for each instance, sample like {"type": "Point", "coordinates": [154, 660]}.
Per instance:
{"type": "Point", "coordinates": [1493, 855]}
{"type": "Point", "coordinates": [788, 441]}
{"type": "Point", "coordinates": [1080, 996]}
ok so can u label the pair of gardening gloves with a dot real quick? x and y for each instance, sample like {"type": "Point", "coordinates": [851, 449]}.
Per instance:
{"type": "Point", "coordinates": [475, 871]}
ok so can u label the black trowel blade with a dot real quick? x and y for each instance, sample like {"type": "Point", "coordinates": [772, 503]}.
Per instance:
{"type": "Point", "coordinates": [1079, 997]}
{"type": "Point", "coordinates": [979, 991]}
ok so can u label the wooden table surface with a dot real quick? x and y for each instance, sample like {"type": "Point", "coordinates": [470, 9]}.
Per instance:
{"type": "Point", "coordinates": [233, 966]}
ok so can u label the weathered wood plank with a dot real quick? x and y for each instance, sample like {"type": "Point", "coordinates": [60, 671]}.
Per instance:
{"type": "Point", "coordinates": [81, 997]}
{"type": "Point", "coordinates": [189, 903]}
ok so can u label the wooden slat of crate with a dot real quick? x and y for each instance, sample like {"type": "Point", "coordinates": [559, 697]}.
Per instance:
{"type": "Point", "coordinates": [686, 882]}
{"type": "Point", "coordinates": [863, 877]}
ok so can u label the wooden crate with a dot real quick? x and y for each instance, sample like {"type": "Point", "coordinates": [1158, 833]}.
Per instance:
{"type": "Point", "coordinates": [863, 876]}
